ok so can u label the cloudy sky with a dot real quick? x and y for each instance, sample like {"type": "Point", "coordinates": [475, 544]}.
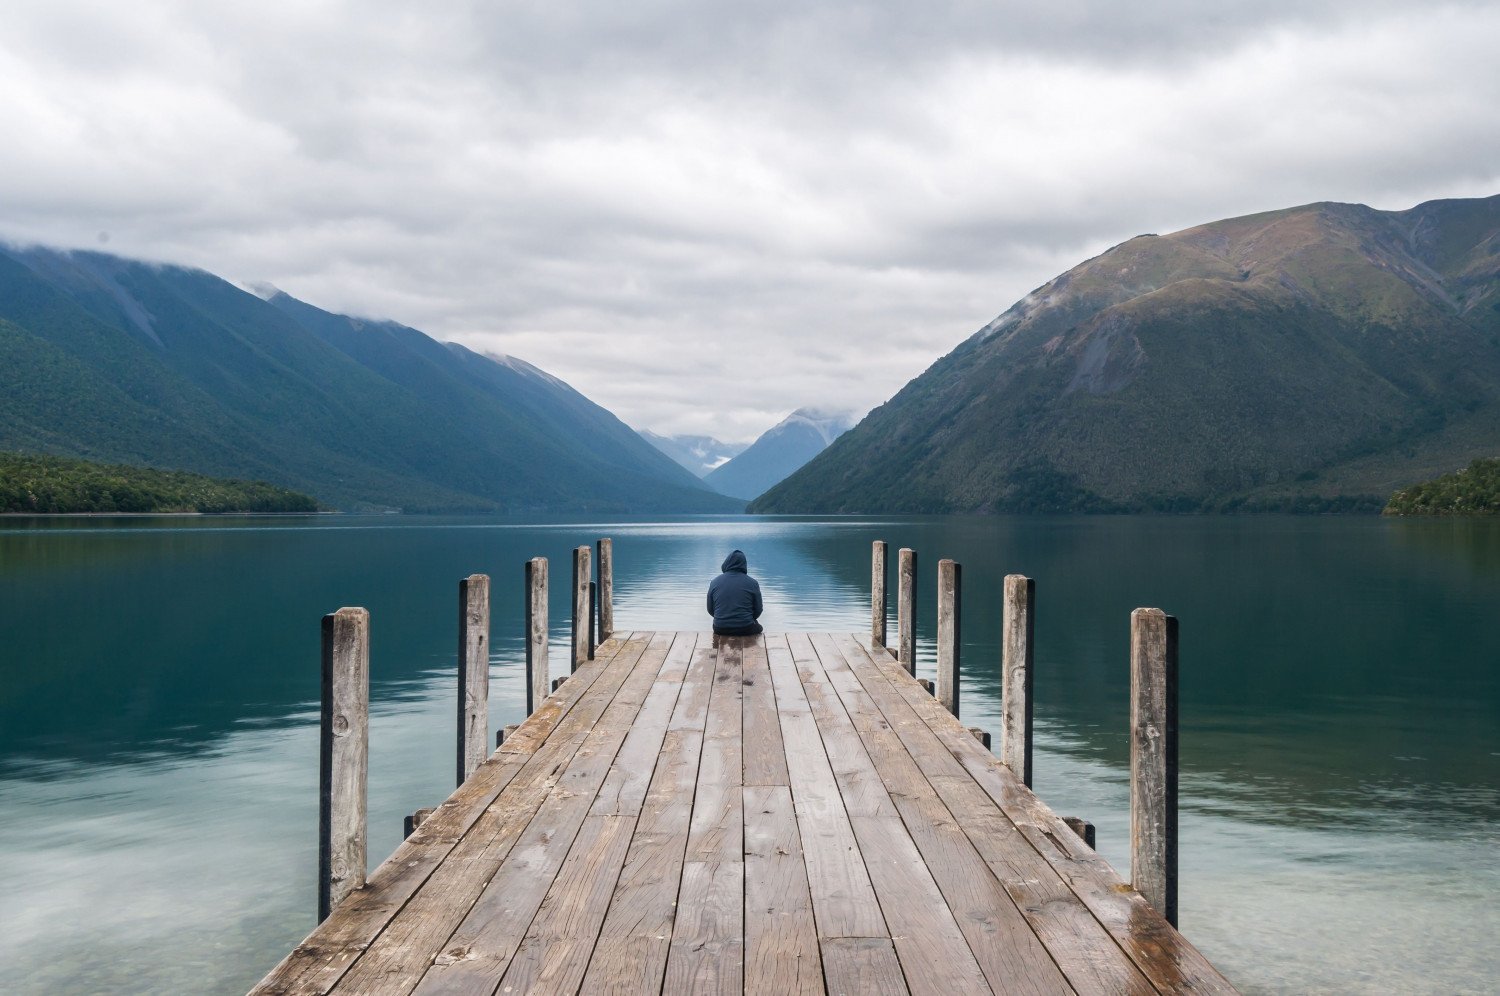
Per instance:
{"type": "Point", "coordinates": [704, 215]}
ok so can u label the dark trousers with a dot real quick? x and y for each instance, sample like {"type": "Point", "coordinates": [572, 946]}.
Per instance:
{"type": "Point", "coordinates": [754, 629]}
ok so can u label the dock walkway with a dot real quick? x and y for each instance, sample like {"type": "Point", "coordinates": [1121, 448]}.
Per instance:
{"type": "Point", "coordinates": [784, 814]}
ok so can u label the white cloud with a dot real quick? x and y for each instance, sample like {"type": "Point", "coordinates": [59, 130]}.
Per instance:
{"type": "Point", "coordinates": [706, 215]}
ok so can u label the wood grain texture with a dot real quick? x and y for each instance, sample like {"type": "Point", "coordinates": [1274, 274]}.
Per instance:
{"type": "Point", "coordinates": [582, 569]}
{"type": "Point", "coordinates": [764, 754]}
{"type": "Point", "coordinates": [879, 572]}
{"type": "Point", "coordinates": [856, 966]}
{"type": "Point", "coordinates": [949, 633]}
{"type": "Point", "coordinates": [538, 681]}
{"type": "Point", "coordinates": [1017, 655]}
{"type": "Point", "coordinates": [604, 550]}
{"type": "Point", "coordinates": [344, 757]}
{"type": "Point", "coordinates": [781, 937]}
{"type": "Point", "coordinates": [906, 609]}
{"type": "Point", "coordinates": [1153, 759]}
{"type": "Point", "coordinates": [473, 675]}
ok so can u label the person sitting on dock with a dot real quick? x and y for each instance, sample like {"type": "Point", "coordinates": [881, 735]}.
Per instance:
{"type": "Point", "coordinates": [734, 599]}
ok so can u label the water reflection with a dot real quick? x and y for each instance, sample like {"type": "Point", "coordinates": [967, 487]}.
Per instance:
{"type": "Point", "coordinates": [1340, 709]}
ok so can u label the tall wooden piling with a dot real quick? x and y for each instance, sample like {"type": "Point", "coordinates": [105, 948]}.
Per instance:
{"type": "Point", "coordinates": [605, 551]}
{"type": "Point", "coordinates": [878, 575]}
{"type": "Point", "coordinates": [593, 618]}
{"type": "Point", "coordinates": [473, 673]}
{"type": "Point", "coordinates": [343, 761]}
{"type": "Point", "coordinates": [1017, 657]}
{"type": "Point", "coordinates": [581, 578]}
{"type": "Point", "coordinates": [538, 682]}
{"type": "Point", "coordinates": [906, 609]}
{"type": "Point", "coordinates": [949, 632]}
{"type": "Point", "coordinates": [1153, 759]}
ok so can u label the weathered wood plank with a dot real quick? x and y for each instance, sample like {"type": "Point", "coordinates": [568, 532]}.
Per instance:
{"type": "Point", "coordinates": [581, 614]}
{"type": "Point", "coordinates": [765, 757]}
{"type": "Point", "coordinates": [555, 953]}
{"type": "Point", "coordinates": [480, 949]}
{"type": "Point", "coordinates": [400, 954]}
{"type": "Point", "coordinates": [708, 937]}
{"type": "Point", "coordinates": [855, 966]}
{"type": "Point", "coordinates": [878, 574]}
{"type": "Point", "coordinates": [843, 898]}
{"type": "Point", "coordinates": [1168, 960]}
{"type": "Point", "coordinates": [624, 790]}
{"type": "Point", "coordinates": [906, 609]}
{"type": "Point", "coordinates": [781, 937]}
{"type": "Point", "coordinates": [605, 551]}
{"type": "Point", "coordinates": [858, 781]}
{"type": "Point", "coordinates": [344, 757]}
{"type": "Point", "coordinates": [317, 964]}
{"type": "Point", "coordinates": [1002, 940]}
{"type": "Point", "coordinates": [631, 953]}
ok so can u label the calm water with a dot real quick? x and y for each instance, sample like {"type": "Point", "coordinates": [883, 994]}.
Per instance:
{"type": "Point", "coordinates": [1340, 716]}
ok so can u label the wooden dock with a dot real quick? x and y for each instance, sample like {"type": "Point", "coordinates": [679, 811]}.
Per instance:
{"type": "Point", "coordinates": [791, 813]}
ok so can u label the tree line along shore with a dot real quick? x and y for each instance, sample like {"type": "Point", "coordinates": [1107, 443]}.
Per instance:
{"type": "Point", "coordinates": [48, 485]}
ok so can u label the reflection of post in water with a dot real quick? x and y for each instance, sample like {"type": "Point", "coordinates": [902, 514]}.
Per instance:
{"type": "Point", "coordinates": [762, 801]}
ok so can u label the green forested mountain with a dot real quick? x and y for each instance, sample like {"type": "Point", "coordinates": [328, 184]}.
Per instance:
{"type": "Point", "coordinates": [1474, 490]}
{"type": "Point", "coordinates": [1317, 357]}
{"type": "Point", "coordinates": [45, 485]}
{"type": "Point", "coordinates": [117, 360]}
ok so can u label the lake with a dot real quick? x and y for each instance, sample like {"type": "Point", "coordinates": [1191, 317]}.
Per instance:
{"type": "Point", "coordinates": [1340, 715]}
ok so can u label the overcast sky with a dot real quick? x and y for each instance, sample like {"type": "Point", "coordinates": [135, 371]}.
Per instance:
{"type": "Point", "coordinates": [704, 215]}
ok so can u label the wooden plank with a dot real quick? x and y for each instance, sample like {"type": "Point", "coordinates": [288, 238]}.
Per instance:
{"type": "Point", "coordinates": [708, 936]}
{"type": "Point", "coordinates": [473, 675]}
{"type": "Point", "coordinates": [843, 899]}
{"type": "Point", "coordinates": [855, 966]}
{"type": "Point", "coordinates": [631, 953]}
{"type": "Point", "coordinates": [479, 950]}
{"type": "Point", "coordinates": [555, 953]}
{"type": "Point", "coordinates": [1003, 942]}
{"type": "Point", "coordinates": [1153, 759]}
{"type": "Point", "coordinates": [781, 937]}
{"type": "Point", "coordinates": [624, 790]}
{"type": "Point", "coordinates": [392, 964]}
{"type": "Point", "coordinates": [344, 757]}
{"type": "Point", "coordinates": [1017, 655]}
{"type": "Point", "coordinates": [935, 956]}
{"type": "Point", "coordinates": [321, 960]}
{"type": "Point", "coordinates": [765, 758]}
{"type": "Point", "coordinates": [1167, 959]}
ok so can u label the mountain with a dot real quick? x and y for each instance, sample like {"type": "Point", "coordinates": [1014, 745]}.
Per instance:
{"type": "Point", "coordinates": [1316, 357]}
{"type": "Point", "coordinates": [113, 359]}
{"type": "Point", "coordinates": [698, 454]}
{"type": "Point", "coordinates": [779, 451]}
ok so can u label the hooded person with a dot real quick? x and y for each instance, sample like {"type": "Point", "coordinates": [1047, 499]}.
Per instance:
{"type": "Point", "coordinates": [734, 599]}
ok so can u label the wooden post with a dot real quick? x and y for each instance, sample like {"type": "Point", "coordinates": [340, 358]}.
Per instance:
{"type": "Point", "coordinates": [473, 673]}
{"type": "Point", "coordinates": [878, 575]}
{"type": "Point", "coordinates": [1153, 759]}
{"type": "Point", "coordinates": [1017, 654]}
{"type": "Point", "coordinates": [906, 609]}
{"type": "Point", "coordinates": [537, 680]}
{"type": "Point", "coordinates": [415, 820]}
{"type": "Point", "coordinates": [606, 569]}
{"type": "Point", "coordinates": [558, 681]}
{"type": "Point", "coordinates": [1083, 828]}
{"type": "Point", "coordinates": [581, 571]}
{"type": "Point", "coordinates": [593, 618]}
{"type": "Point", "coordinates": [949, 632]}
{"type": "Point", "coordinates": [983, 736]}
{"type": "Point", "coordinates": [344, 757]}
{"type": "Point", "coordinates": [927, 686]}
{"type": "Point", "coordinates": [503, 734]}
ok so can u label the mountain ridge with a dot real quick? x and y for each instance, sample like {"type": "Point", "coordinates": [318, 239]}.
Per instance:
{"type": "Point", "coordinates": [1325, 353]}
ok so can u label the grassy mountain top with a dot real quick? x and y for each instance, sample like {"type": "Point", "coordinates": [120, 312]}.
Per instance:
{"type": "Point", "coordinates": [1474, 490]}
{"type": "Point", "coordinates": [1316, 357]}
{"type": "Point", "coordinates": [42, 485]}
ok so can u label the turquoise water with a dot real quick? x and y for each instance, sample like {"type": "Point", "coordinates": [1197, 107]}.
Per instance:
{"type": "Point", "coordinates": [1340, 707]}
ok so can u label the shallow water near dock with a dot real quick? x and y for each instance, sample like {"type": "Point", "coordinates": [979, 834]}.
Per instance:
{"type": "Point", "coordinates": [1340, 715]}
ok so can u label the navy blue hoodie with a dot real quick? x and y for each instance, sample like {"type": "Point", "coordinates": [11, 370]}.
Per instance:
{"type": "Point", "coordinates": [734, 597]}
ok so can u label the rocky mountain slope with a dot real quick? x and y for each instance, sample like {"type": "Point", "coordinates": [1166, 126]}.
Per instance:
{"type": "Point", "coordinates": [1318, 357]}
{"type": "Point", "coordinates": [697, 454]}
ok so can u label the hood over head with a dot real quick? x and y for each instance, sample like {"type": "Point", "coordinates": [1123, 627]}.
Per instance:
{"type": "Point", "coordinates": [734, 562]}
